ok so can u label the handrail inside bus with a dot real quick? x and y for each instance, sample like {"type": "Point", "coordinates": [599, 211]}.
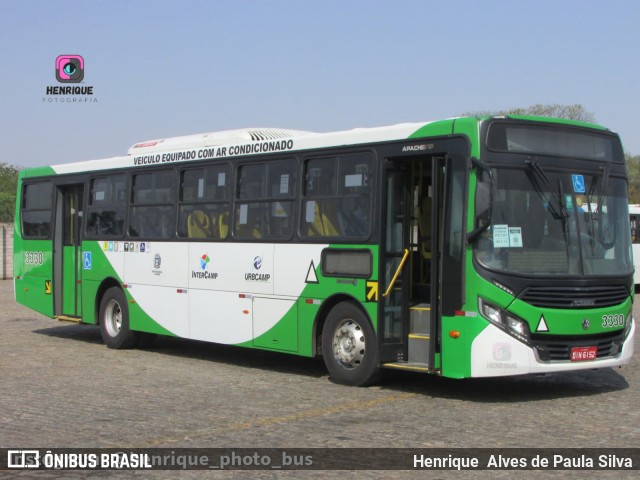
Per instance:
{"type": "Point", "coordinates": [398, 270]}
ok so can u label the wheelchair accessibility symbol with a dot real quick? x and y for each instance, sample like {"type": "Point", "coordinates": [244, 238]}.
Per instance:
{"type": "Point", "coordinates": [87, 260]}
{"type": "Point", "coordinates": [578, 183]}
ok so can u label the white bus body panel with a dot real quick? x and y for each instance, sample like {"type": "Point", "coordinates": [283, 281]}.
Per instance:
{"type": "Point", "coordinates": [226, 293]}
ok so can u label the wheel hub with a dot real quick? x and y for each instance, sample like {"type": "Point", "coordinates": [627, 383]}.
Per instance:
{"type": "Point", "coordinates": [349, 344]}
{"type": "Point", "coordinates": [113, 318]}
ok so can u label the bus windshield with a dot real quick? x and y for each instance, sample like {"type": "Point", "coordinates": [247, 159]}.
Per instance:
{"type": "Point", "coordinates": [556, 223]}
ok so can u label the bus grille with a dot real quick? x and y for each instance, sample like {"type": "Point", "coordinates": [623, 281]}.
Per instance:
{"type": "Point", "coordinates": [559, 347]}
{"type": "Point", "coordinates": [575, 297]}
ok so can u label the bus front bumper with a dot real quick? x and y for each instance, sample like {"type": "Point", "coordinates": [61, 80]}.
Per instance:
{"type": "Point", "coordinates": [495, 353]}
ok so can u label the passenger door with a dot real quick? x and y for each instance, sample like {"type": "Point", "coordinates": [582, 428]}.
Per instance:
{"type": "Point", "coordinates": [68, 258]}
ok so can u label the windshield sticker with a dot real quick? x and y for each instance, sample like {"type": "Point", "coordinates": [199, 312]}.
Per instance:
{"type": "Point", "coordinates": [578, 183]}
{"type": "Point", "coordinates": [505, 236]}
{"type": "Point", "coordinates": [568, 202]}
{"type": "Point", "coordinates": [515, 236]}
{"type": "Point", "coordinates": [501, 236]}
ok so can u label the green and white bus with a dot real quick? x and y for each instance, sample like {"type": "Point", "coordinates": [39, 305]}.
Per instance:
{"type": "Point", "coordinates": [468, 247]}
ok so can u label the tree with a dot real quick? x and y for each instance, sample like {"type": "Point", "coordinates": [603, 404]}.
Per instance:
{"type": "Point", "coordinates": [633, 175]}
{"type": "Point", "coordinates": [8, 185]}
{"type": "Point", "coordinates": [555, 110]}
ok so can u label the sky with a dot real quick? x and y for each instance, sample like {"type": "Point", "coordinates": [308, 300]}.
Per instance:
{"type": "Point", "coordinates": [166, 68]}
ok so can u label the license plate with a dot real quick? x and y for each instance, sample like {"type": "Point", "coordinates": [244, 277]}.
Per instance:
{"type": "Point", "coordinates": [580, 354]}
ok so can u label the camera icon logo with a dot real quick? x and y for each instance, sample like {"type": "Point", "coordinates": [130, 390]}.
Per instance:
{"type": "Point", "coordinates": [70, 69]}
{"type": "Point", "coordinates": [501, 352]}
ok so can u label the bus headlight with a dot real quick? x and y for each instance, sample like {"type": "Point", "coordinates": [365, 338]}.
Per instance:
{"type": "Point", "coordinates": [514, 326]}
{"type": "Point", "coordinates": [490, 312]}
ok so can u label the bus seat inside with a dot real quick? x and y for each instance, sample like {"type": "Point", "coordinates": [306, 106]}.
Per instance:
{"type": "Point", "coordinates": [223, 224]}
{"type": "Point", "coordinates": [199, 225]}
{"type": "Point", "coordinates": [324, 220]}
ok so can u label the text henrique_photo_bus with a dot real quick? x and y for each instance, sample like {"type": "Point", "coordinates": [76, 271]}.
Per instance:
{"type": "Point", "coordinates": [467, 247]}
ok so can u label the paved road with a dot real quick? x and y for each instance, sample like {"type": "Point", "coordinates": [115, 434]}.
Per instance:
{"type": "Point", "coordinates": [62, 388]}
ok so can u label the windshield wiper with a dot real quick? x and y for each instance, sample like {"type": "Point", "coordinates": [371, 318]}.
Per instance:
{"type": "Point", "coordinates": [604, 183]}
{"type": "Point", "coordinates": [559, 211]}
{"type": "Point", "coordinates": [566, 232]}
{"type": "Point", "coordinates": [603, 187]}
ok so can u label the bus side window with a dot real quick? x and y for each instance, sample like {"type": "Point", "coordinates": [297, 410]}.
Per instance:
{"type": "Point", "coordinates": [338, 191]}
{"type": "Point", "coordinates": [37, 203]}
{"type": "Point", "coordinates": [204, 200]}
{"type": "Point", "coordinates": [105, 212]}
{"type": "Point", "coordinates": [320, 212]}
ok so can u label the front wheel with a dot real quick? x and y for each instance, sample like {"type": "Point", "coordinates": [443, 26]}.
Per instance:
{"type": "Point", "coordinates": [349, 346]}
{"type": "Point", "coordinates": [114, 320]}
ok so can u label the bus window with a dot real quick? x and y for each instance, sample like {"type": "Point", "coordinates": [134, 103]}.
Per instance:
{"type": "Point", "coordinates": [105, 212]}
{"type": "Point", "coordinates": [204, 202]}
{"type": "Point", "coordinates": [152, 210]}
{"type": "Point", "coordinates": [338, 197]}
{"type": "Point", "coordinates": [37, 202]}
{"type": "Point", "coordinates": [264, 205]}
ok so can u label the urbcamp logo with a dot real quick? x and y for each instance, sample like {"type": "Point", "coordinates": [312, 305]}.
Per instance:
{"type": "Point", "coordinates": [204, 260]}
{"type": "Point", "coordinates": [257, 277]}
{"type": "Point", "coordinates": [70, 70]}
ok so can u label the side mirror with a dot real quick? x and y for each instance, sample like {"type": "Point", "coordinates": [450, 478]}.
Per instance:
{"type": "Point", "coordinates": [483, 200]}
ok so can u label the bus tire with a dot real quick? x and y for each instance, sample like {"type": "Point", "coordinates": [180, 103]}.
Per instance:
{"type": "Point", "coordinates": [114, 320]}
{"type": "Point", "coordinates": [349, 346]}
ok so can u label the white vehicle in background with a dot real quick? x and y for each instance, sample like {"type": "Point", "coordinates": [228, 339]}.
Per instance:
{"type": "Point", "coordinates": [634, 218]}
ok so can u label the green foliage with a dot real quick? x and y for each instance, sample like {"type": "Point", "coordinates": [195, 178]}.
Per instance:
{"type": "Point", "coordinates": [8, 185]}
{"type": "Point", "coordinates": [555, 110]}
{"type": "Point", "coordinates": [633, 175]}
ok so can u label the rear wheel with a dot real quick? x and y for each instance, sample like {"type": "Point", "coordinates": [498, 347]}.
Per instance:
{"type": "Point", "coordinates": [349, 346]}
{"type": "Point", "coordinates": [114, 320]}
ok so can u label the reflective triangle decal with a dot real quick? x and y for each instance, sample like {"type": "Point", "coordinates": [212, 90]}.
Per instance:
{"type": "Point", "coordinates": [542, 325]}
{"type": "Point", "coordinates": [311, 274]}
